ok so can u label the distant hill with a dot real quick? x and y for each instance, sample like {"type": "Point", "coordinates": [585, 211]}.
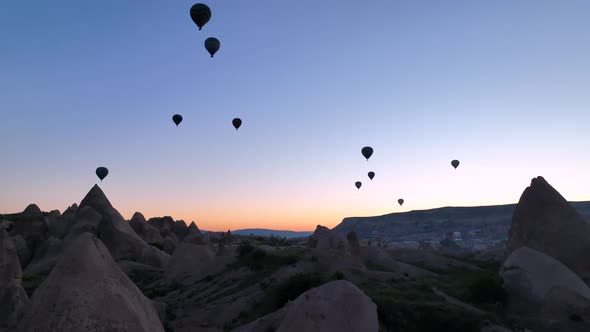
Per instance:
{"type": "Point", "coordinates": [484, 223]}
{"type": "Point", "coordinates": [270, 232]}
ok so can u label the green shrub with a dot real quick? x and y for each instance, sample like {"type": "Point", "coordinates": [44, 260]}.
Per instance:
{"type": "Point", "coordinates": [487, 289]}
{"type": "Point", "coordinates": [297, 285]}
{"type": "Point", "coordinates": [260, 260]}
{"type": "Point", "coordinates": [245, 248]}
{"type": "Point", "coordinates": [30, 282]}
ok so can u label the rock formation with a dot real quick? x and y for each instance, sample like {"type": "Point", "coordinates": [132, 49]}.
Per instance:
{"type": "Point", "coordinates": [87, 290]}
{"type": "Point", "coordinates": [334, 306]}
{"type": "Point", "coordinates": [147, 232]}
{"type": "Point", "coordinates": [13, 298]}
{"type": "Point", "coordinates": [325, 239]}
{"type": "Point", "coordinates": [543, 220]}
{"type": "Point", "coordinates": [530, 277]}
{"type": "Point", "coordinates": [117, 234]}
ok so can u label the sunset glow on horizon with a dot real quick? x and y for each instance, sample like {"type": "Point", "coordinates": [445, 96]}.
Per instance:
{"type": "Point", "coordinates": [500, 86]}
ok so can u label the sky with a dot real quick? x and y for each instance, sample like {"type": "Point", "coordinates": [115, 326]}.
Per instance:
{"type": "Point", "coordinates": [500, 85]}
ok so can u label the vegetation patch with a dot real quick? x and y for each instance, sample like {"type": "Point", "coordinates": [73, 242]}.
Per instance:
{"type": "Point", "coordinates": [262, 261]}
{"type": "Point", "coordinates": [31, 282]}
{"type": "Point", "coordinates": [150, 284]}
{"type": "Point", "coordinates": [411, 305]}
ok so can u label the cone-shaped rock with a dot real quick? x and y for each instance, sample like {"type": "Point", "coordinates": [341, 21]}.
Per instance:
{"type": "Point", "coordinates": [193, 228]}
{"type": "Point", "coordinates": [117, 234]}
{"type": "Point", "coordinates": [334, 306]}
{"type": "Point", "coordinates": [543, 220]}
{"type": "Point", "coordinates": [87, 291]}
{"type": "Point", "coordinates": [13, 298]}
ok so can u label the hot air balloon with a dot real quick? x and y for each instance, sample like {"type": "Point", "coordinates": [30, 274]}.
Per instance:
{"type": "Point", "coordinates": [371, 175]}
{"type": "Point", "coordinates": [177, 118]}
{"type": "Point", "coordinates": [455, 163]}
{"type": "Point", "coordinates": [237, 122]}
{"type": "Point", "coordinates": [400, 201]}
{"type": "Point", "coordinates": [358, 185]}
{"type": "Point", "coordinates": [367, 152]}
{"type": "Point", "coordinates": [201, 14]}
{"type": "Point", "coordinates": [102, 173]}
{"type": "Point", "coordinates": [212, 45]}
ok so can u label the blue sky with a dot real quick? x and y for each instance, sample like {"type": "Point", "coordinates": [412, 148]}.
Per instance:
{"type": "Point", "coordinates": [500, 85]}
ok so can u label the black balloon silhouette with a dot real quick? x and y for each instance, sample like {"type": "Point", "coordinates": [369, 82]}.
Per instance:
{"type": "Point", "coordinates": [200, 14]}
{"type": "Point", "coordinates": [212, 45]}
{"type": "Point", "coordinates": [177, 118]}
{"type": "Point", "coordinates": [102, 173]}
{"type": "Point", "coordinates": [367, 152]}
{"type": "Point", "coordinates": [237, 122]}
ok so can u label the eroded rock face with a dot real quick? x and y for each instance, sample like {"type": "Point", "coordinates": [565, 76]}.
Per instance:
{"type": "Point", "coordinates": [334, 306]}
{"type": "Point", "coordinates": [87, 289]}
{"type": "Point", "coordinates": [543, 220]}
{"type": "Point", "coordinates": [530, 276]}
{"type": "Point", "coordinates": [13, 298]}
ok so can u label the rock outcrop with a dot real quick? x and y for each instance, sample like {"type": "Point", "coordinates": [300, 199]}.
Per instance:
{"type": "Point", "coordinates": [45, 257]}
{"type": "Point", "coordinates": [192, 262]}
{"type": "Point", "coordinates": [87, 290]}
{"type": "Point", "coordinates": [117, 234]}
{"type": "Point", "coordinates": [32, 226]}
{"type": "Point", "coordinates": [353, 242]}
{"type": "Point", "coordinates": [147, 232]}
{"type": "Point", "coordinates": [325, 239]}
{"type": "Point", "coordinates": [533, 278]}
{"type": "Point", "coordinates": [543, 220]}
{"type": "Point", "coordinates": [334, 306]}
{"type": "Point", "coordinates": [13, 298]}
{"type": "Point", "coordinates": [180, 230]}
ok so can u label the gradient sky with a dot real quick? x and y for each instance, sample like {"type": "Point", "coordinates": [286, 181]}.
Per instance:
{"type": "Point", "coordinates": [503, 86]}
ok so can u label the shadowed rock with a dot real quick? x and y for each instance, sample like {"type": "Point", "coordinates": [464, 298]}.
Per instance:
{"type": "Point", "coordinates": [353, 242]}
{"type": "Point", "coordinates": [146, 231]}
{"type": "Point", "coordinates": [117, 234]}
{"type": "Point", "coordinates": [529, 276]}
{"type": "Point", "coordinates": [32, 226]}
{"type": "Point", "coordinates": [193, 228]}
{"type": "Point", "coordinates": [334, 306]}
{"type": "Point", "coordinates": [180, 230]}
{"type": "Point", "coordinates": [23, 251]}
{"type": "Point", "coordinates": [13, 298]}
{"type": "Point", "coordinates": [191, 262]}
{"type": "Point", "coordinates": [543, 220]}
{"type": "Point", "coordinates": [325, 239]}
{"type": "Point", "coordinates": [45, 257]}
{"type": "Point", "coordinates": [87, 290]}
{"type": "Point", "coordinates": [170, 244]}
